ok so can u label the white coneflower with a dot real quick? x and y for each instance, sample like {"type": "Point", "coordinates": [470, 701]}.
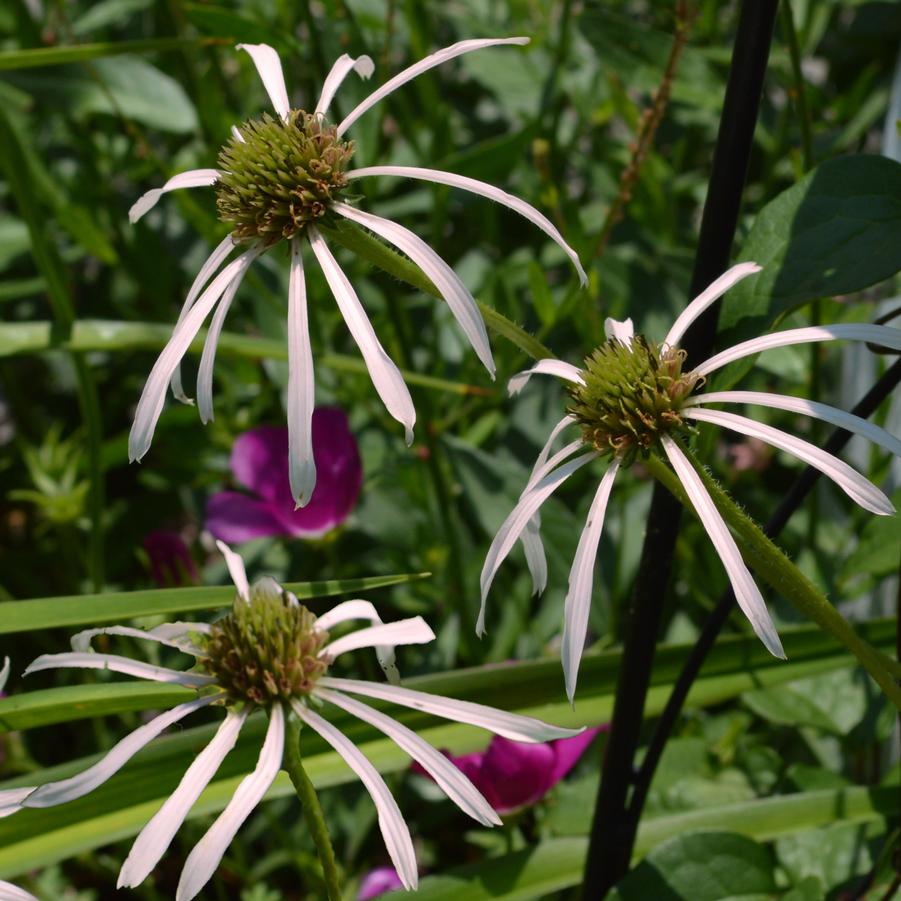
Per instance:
{"type": "Point", "coordinates": [277, 178]}
{"type": "Point", "coordinates": [271, 654]}
{"type": "Point", "coordinates": [631, 398]}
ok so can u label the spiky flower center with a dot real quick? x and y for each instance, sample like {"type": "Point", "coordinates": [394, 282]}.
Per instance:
{"type": "Point", "coordinates": [633, 394]}
{"type": "Point", "coordinates": [282, 176]}
{"type": "Point", "coordinates": [266, 650]}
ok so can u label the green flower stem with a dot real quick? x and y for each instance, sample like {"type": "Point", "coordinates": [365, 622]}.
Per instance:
{"type": "Point", "coordinates": [771, 564]}
{"type": "Point", "coordinates": [312, 810]}
{"type": "Point", "coordinates": [354, 238]}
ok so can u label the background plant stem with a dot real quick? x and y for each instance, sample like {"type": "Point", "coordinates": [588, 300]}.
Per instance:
{"type": "Point", "coordinates": [613, 829]}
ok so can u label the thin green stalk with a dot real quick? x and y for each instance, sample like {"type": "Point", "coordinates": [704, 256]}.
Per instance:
{"type": "Point", "coordinates": [312, 810]}
{"type": "Point", "coordinates": [771, 564]}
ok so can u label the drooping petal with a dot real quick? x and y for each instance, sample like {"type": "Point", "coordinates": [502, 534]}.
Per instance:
{"type": "Point", "coordinates": [10, 892]}
{"type": "Point", "coordinates": [4, 673]}
{"type": "Point", "coordinates": [536, 560]}
{"type": "Point", "coordinates": [483, 189]}
{"type": "Point", "coordinates": [157, 835]}
{"type": "Point", "coordinates": [11, 799]}
{"type": "Point", "coordinates": [709, 295]}
{"type": "Point", "coordinates": [569, 750]}
{"type": "Point", "coordinates": [405, 631]}
{"type": "Point", "coordinates": [235, 569]}
{"type": "Point", "coordinates": [205, 857]}
{"type": "Point", "coordinates": [859, 488]}
{"type": "Point", "coordinates": [212, 264]}
{"type": "Point", "coordinates": [577, 605]}
{"type": "Point", "coordinates": [510, 725]}
{"type": "Point", "coordinates": [150, 406]}
{"type": "Point", "coordinates": [53, 793]}
{"type": "Point", "coordinates": [746, 591]}
{"type": "Point", "coordinates": [269, 67]}
{"type": "Point", "coordinates": [461, 303]}
{"type": "Point", "coordinates": [391, 821]}
{"type": "Point", "coordinates": [301, 386]}
{"type": "Point", "coordinates": [514, 524]}
{"type": "Point", "coordinates": [855, 331]}
{"type": "Point", "coordinates": [386, 377]}
{"type": "Point", "coordinates": [619, 331]}
{"type": "Point", "coordinates": [208, 357]}
{"type": "Point", "coordinates": [451, 780]}
{"type": "Point", "coordinates": [546, 367]}
{"type": "Point", "coordinates": [116, 664]}
{"type": "Point", "coordinates": [429, 62]}
{"type": "Point", "coordinates": [360, 609]}
{"type": "Point", "coordinates": [362, 65]}
{"type": "Point", "coordinates": [543, 455]}
{"type": "Point", "coordinates": [193, 178]}
{"type": "Point", "coordinates": [856, 424]}
{"type": "Point", "coordinates": [174, 635]}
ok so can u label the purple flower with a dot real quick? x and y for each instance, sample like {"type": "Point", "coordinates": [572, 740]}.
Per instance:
{"type": "Point", "coordinates": [259, 462]}
{"type": "Point", "coordinates": [512, 774]}
{"type": "Point", "coordinates": [378, 881]}
{"type": "Point", "coordinates": [171, 564]}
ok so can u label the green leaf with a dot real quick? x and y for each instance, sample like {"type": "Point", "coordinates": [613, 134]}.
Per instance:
{"type": "Point", "coordinates": [878, 551]}
{"type": "Point", "coordinates": [79, 53]}
{"type": "Point", "coordinates": [107, 12]}
{"type": "Point", "coordinates": [96, 609]}
{"type": "Point", "coordinates": [125, 85]}
{"type": "Point", "coordinates": [836, 231]}
{"type": "Point", "coordinates": [704, 866]}
{"type": "Point", "coordinates": [833, 855]}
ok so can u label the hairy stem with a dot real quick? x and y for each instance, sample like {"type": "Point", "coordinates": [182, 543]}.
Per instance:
{"type": "Point", "coordinates": [312, 810]}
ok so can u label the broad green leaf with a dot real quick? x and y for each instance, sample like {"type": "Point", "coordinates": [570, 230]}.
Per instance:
{"type": "Point", "coordinates": [79, 53]}
{"type": "Point", "coordinates": [703, 866]}
{"type": "Point", "coordinates": [119, 808]}
{"type": "Point", "coordinates": [97, 609]}
{"type": "Point", "coordinates": [113, 335]}
{"type": "Point", "coordinates": [836, 231]}
{"type": "Point", "coordinates": [126, 85]}
{"type": "Point", "coordinates": [833, 855]}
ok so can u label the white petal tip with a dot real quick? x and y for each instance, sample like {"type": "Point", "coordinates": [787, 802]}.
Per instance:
{"type": "Point", "coordinates": [364, 66]}
{"type": "Point", "coordinates": [144, 204]}
{"type": "Point", "coordinates": [408, 435]}
{"type": "Point", "coordinates": [520, 40]}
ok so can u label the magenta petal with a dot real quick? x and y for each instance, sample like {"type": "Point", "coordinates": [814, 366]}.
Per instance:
{"type": "Point", "coordinates": [235, 518]}
{"type": "Point", "coordinates": [259, 461]}
{"type": "Point", "coordinates": [171, 564]}
{"type": "Point", "coordinates": [568, 751]}
{"type": "Point", "coordinates": [339, 476]}
{"type": "Point", "coordinates": [517, 773]}
{"type": "Point", "coordinates": [378, 881]}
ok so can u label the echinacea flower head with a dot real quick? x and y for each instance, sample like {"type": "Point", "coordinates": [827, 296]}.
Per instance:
{"type": "Point", "coordinates": [633, 397]}
{"type": "Point", "coordinates": [259, 462]}
{"type": "Point", "coordinates": [271, 655]}
{"type": "Point", "coordinates": [284, 178]}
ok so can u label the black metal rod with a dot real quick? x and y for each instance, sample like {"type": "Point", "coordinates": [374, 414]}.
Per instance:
{"type": "Point", "coordinates": [613, 829]}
